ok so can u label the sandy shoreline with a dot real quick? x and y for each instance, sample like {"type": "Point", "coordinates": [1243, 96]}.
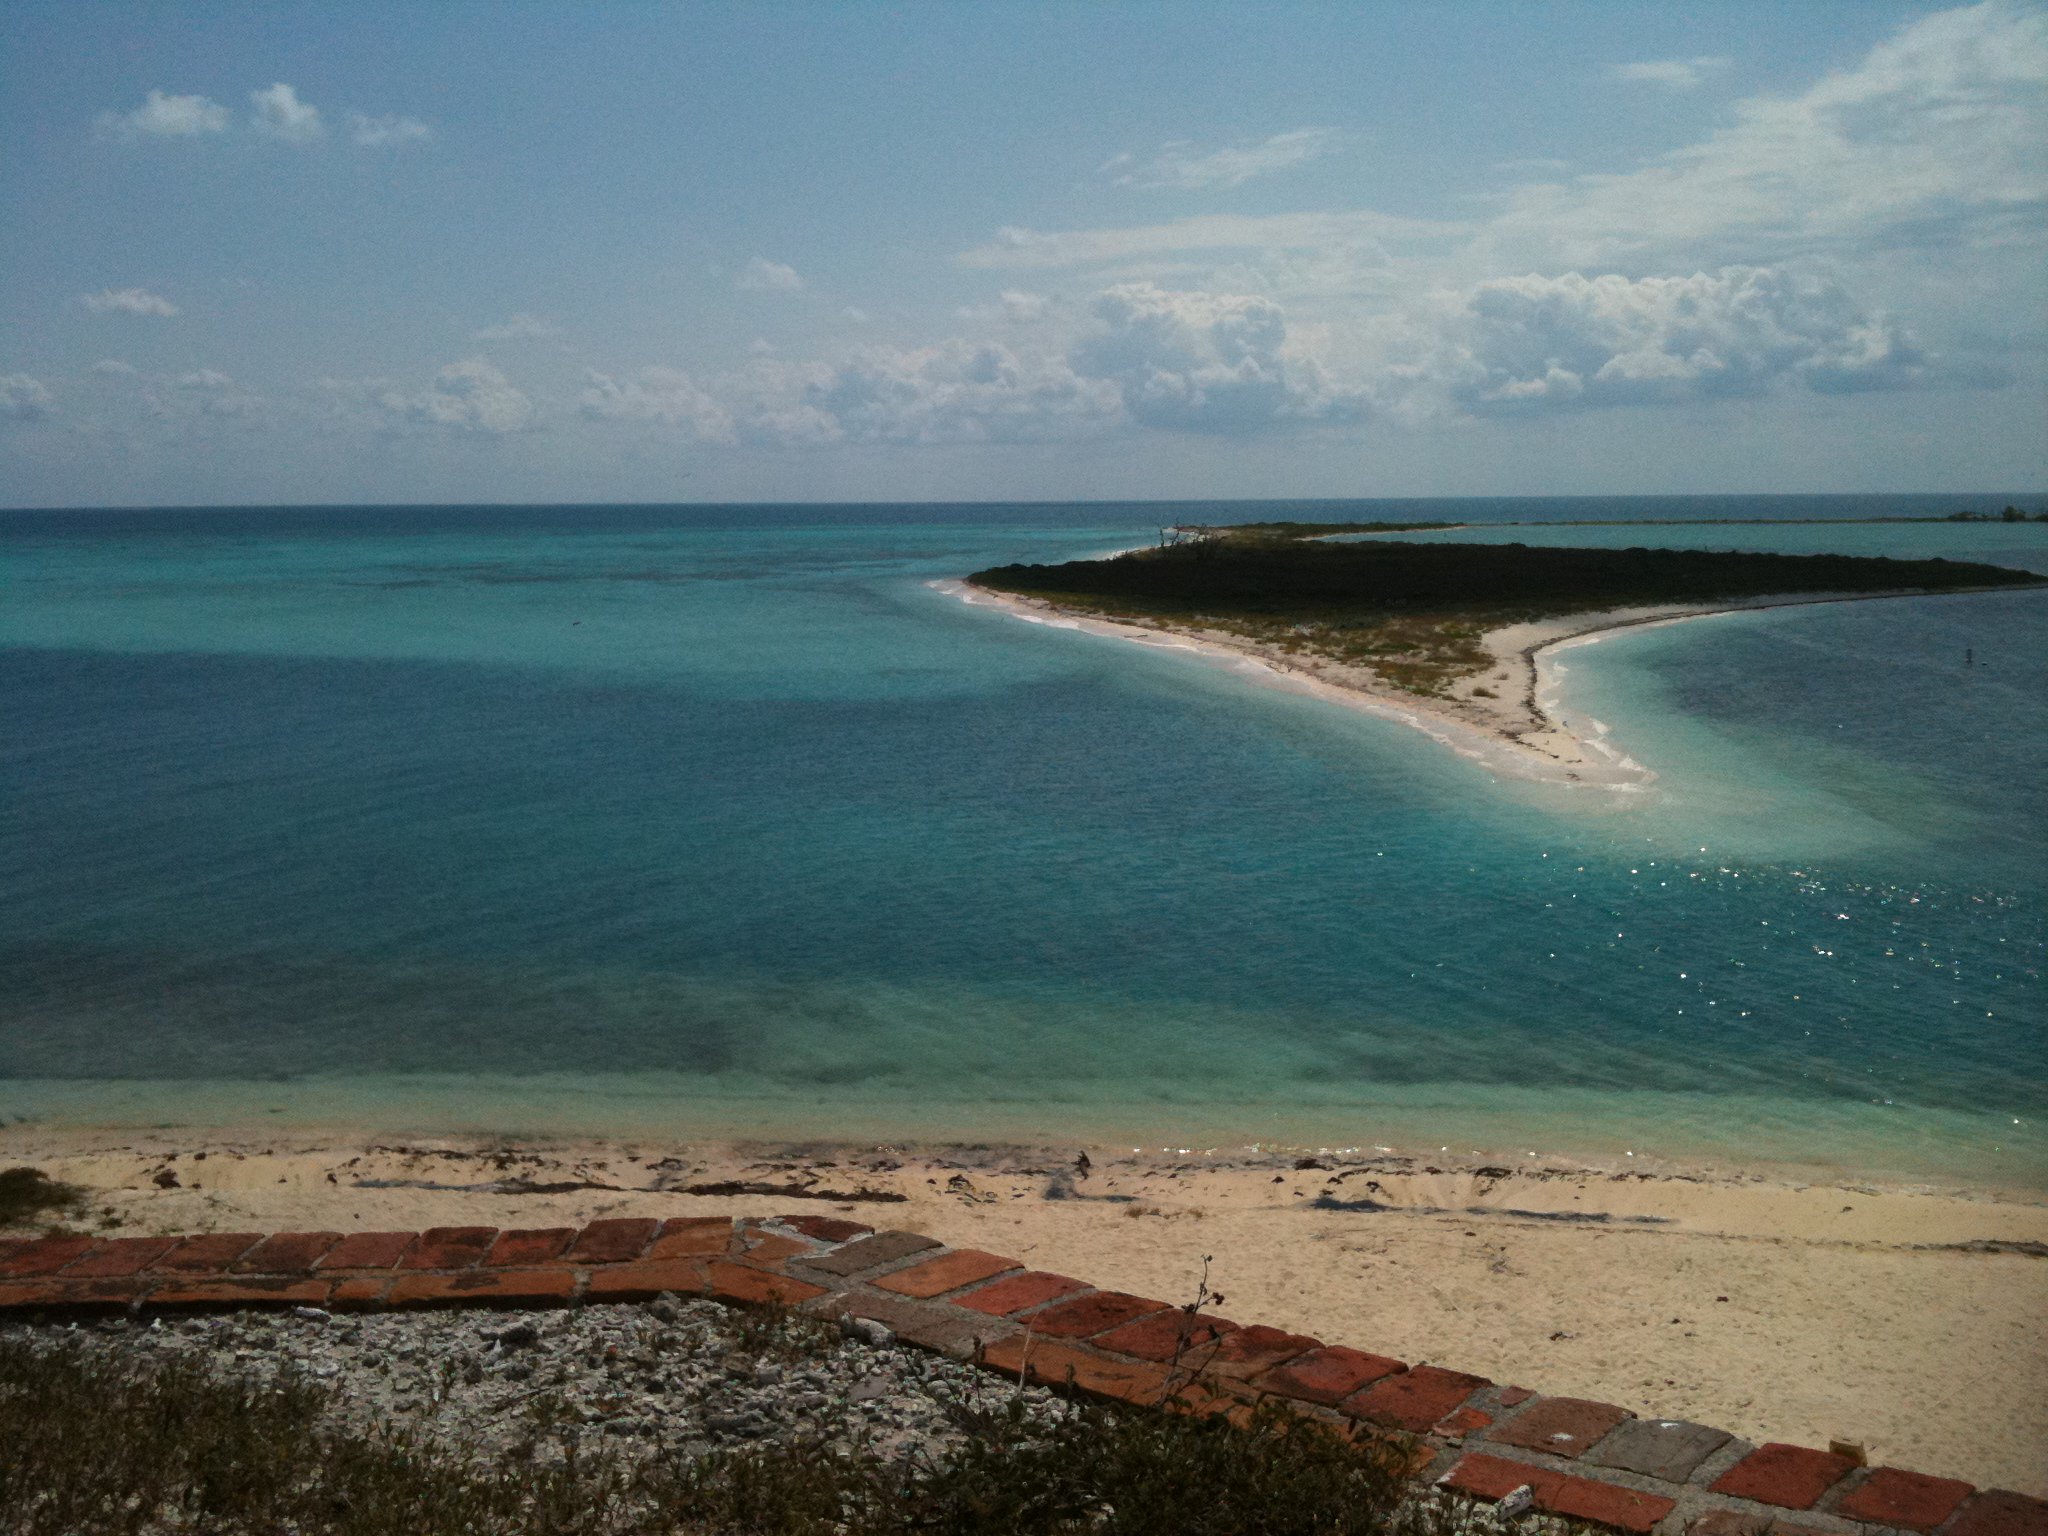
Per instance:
{"type": "Point", "coordinates": [1911, 1321]}
{"type": "Point", "coordinates": [1518, 732]}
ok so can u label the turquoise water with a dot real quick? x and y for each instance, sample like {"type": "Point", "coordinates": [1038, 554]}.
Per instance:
{"type": "Point", "coordinates": [692, 821]}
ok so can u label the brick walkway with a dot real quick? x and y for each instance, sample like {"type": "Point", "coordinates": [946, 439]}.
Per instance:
{"type": "Point", "coordinates": [1589, 1461]}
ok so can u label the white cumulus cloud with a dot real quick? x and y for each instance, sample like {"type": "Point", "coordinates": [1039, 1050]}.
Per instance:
{"type": "Point", "coordinates": [128, 301]}
{"type": "Point", "coordinates": [203, 392]}
{"type": "Point", "coordinates": [383, 132]}
{"type": "Point", "coordinates": [279, 114]}
{"type": "Point", "coordinates": [23, 398]}
{"type": "Point", "coordinates": [1547, 342]}
{"type": "Point", "coordinates": [664, 395]}
{"type": "Point", "coordinates": [163, 116]}
{"type": "Point", "coordinates": [761, 275]}
{"type": "Point", "coordinates": [471, 397]}
{"type": "Point", "coordinates": [1182, 166]}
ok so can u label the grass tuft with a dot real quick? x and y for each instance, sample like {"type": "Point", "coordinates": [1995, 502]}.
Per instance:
{"type": "Point", "coordinates": [29, 1194]}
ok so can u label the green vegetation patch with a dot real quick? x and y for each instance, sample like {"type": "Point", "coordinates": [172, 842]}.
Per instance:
{"type": "Point", "coordinates": [1413, 613]}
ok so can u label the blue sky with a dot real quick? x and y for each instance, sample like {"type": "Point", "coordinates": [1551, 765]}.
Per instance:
{"type": "Point", "coordinates": [505, 252]}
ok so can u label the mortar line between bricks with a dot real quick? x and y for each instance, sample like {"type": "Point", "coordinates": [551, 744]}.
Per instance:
{"type": "Point", "coordinates": [1788, 1485]}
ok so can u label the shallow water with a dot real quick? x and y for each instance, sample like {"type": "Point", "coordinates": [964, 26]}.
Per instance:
{"type": "Point", "coordinates": [691, 821]}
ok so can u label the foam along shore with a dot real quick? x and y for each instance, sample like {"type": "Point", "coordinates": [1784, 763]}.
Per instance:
{"type": "Point", "coordinates": [1906, 1320]}
{"type": "Point", "coordinates": [1507, 716]}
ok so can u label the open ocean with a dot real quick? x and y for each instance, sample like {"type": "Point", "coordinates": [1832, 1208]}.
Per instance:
{"type": "Point", "coordinates": [694, 821]}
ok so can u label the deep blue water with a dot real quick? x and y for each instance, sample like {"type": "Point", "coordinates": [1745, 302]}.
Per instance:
{"type": "Point", "coordinates": [710, 819]}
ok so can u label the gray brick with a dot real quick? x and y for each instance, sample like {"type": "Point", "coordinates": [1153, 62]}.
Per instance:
{"type": "Point", "coordinates": [869, 1253]}
{"type": "Point", "coordinates": [1667, 1449]}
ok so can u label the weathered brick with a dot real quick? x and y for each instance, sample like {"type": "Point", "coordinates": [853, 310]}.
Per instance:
{"type": "Point", "coordinates": [287, 1253]}
{"type": "Point", "coordinates": [935, 1277]}
{"type": "Point", "coordinates": [948, 1330]}
{"type": "Point", "coordinates": [1165, 1335]}
{"type": "Point", "coordinates": [207, 1255]}
{"type": "Point", "coordinates": [691, 1237]}
{"type": "Point", "coordinates": [1051, 1364]}
{"type": "Point", "coordinates": [1998, 1512]}
{"type": "Point", "coordinates": [614, 1241]}
{"type": "Point", "coordinates": [240, 1291]}
{"type": "Point", "coordinates": [528, 1245]}
{"type": "Point", "coordinates": [871, 1252]}
{"type": "Point", "coordinates": [1085, 1316]}
{"type": "Point", "coordinates": [826, 1229]}
{"type": "Point", "coordinates": [551, 1287]}
{"type": "Point", "coordinates": [1494, 1477]}
{"type": "Point", "coordinates": [1563, 1426]}
{"type": "Point", "coordinates": [774, 1248]}
{"type": "Point", "coordinates": [367, 1250]}
{"type": "Point", "coordinates": [44, 1256]}
{"type": "Point", "coordinates": [119, 1256]}
{"type": "Point", "coordinates": [1019, 1293]}
{"type": "Point", "coordinates": [645, 1279]}
{"type": "Point", "coordinates": [1255, 1348]}
{"type": "Point", "coordinates": [1513, 1397]}
{"type": "Point", "coordinates": [70, 1295]}
{"type": "Point", "coordinates": [1466, 1421]}
{"type": "Point", "coordinates": [449, 1248]}
{"type": "Point", "coordinates": [1789, 1476]}
{"type": "Point", "coordinates": [1580, 1498]}
{"type": "Point", "coordinates": [730, 1281]}
{"type": "Point", "coordinates": [1667, 1449]}
{"type": "Point", "coordinates": [1415, 1399]}
{"type": "Point", "coordinates": [1910, 1499]}
{"type": "Point", "coordinates": [1327, 1375]}
{"type": "Point", "coordinates": [356, 1293]}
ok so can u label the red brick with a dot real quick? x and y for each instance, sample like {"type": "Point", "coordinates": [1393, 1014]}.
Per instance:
{"type": "Point", "coordinates": [691, 1237]}
{"type": "Point", "coordinates": [1061, 1366]}
{"type": "Point", "coordinates": [934, 1277]}
{"type": "Point", "coordinates": [1514, 1397]}
{"type": "Point", "coordinates": [1735, 1522]}
{"type": "Point", "coordinates": [1248, 1351]}
{"type": "Point", "coordinates": [1328, 1375]}
{"type": "Point", "coordinates": [368, 1250]}
{"type": "Point", "coordinates": [208, 1255]}
{"type": "Point", "coordinates": [119, 1256]}
{"type": "Point", "coordinates": [287, 1253]}
{"type": "Point", "coordinates": [1166, 1334]}
{"type": "Point", "coordinates": [1891, 1497]}
{"type": "Point", "coordinates": [449, 1248]}
{"type": "Point", "coordinates": [241, 1291]}
{"type": "Point", "coordinates": [10, 1246]}
{"type": "Point", "coordinates": [1580, 1498]}
{"type": "Point", "coordinates": [774, 1247]}
{"type": "Point", "coordinates": [1415, 1399]}
{"type": "Point", "coordinates": [1086, 1316]}
{"type": "Point", "coordinates": [1997, 1512]}
{"type": "Point", "coordinates": [357, 1292]}
{"type": "Point", "coordinates": [1017, 1293]}
{"type": "Point", "coordinates": [44, 1256]}
{"type": "Point", "coordinates": [528, 1245]}
{"type": "Point", "coordinates": [484, 1287]}
{"type": "Point", "coordinates": [1493, 1477]}
{"type": "Point", "coordinates": [71, 1295]}
{"type": "Point", "coordinates": [1562, 1426]}
{"type": "Point", "coordinates": [1466, 1421]}
{"type": "Point", "coordinates": [646, 1279]}
{"type": "Point", "coordinates": [1788, 1476]}
{"type": "Point", "coordinates": [1210, 1396]}
{"type": "Point", "coordinates": [615, 1241]}
{"type": "Point", "coordinates": [826, 1229]}
{"type": "Point", "coordinates": [742, 1282]}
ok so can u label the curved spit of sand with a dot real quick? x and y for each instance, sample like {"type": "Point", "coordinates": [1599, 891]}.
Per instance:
{"type": "Point", "coordinates": [1520, 732]}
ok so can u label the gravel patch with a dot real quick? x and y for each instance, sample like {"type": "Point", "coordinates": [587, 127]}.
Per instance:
{"type": "Point", "coordinates": [682, 1377]}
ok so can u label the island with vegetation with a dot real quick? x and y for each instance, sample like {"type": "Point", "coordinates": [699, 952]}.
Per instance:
{"type": "Point", "coordinates": [1447, 636]}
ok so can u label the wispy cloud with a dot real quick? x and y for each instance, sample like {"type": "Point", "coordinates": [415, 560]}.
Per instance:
{"type": "Point", "coordinates": [128, 301]}
{"type": "Point", "coordinates": [1181, 165]}
{"type": "Point", "coordinates": [1678, 74]}
{"type": "Point", "coordinates": [761, 275]}
{"type": "Point", "coordinates": [23, 398]}
{"type": "Point", "coordinates": [163, 116]}
{"type": "Point", "coordinates": [519, 327]}
{"type": "Point", "coordinates": [384, 132]}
